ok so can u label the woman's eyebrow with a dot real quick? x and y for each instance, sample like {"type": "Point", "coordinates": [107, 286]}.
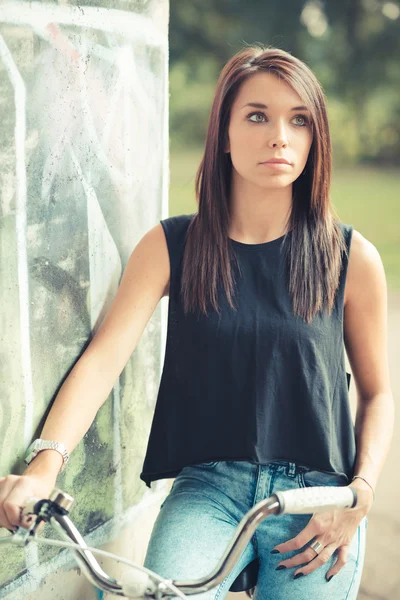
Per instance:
{"type": "Point", "coordinates": [259, 105]}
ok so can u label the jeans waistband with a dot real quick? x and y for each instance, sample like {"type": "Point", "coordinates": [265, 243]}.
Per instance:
{"type": "Point", "coordinates": [291, 469]}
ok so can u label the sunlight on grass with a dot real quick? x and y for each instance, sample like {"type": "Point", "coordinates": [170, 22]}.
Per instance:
{"type": "Point", "coordinates": [367, 198]}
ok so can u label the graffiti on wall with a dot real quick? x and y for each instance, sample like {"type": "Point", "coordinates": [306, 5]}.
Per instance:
{"type": "Point", "coordinates": [83, 154]}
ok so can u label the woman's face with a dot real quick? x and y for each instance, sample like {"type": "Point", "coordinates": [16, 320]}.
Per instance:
{"type": "Point", "coordinates": [276, 130]}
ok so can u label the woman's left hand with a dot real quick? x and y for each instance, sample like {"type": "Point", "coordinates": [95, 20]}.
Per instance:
{"type": "Point", "coordinates": [334, 530]}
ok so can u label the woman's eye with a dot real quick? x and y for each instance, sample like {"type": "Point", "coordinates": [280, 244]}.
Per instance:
{"type": "Point", "coordinates": [260, 119]}
{"type": "Point", "coordinates": [305, 120]}
{"type": "Point", "coordinates": [256, 115]}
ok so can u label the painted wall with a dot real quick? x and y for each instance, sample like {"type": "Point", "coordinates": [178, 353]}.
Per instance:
{"type": "Point", "coordinates": [84, 174]}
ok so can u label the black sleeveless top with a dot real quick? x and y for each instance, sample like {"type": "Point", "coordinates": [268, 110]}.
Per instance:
{"type": "Point", "coordinates": [258, 384]}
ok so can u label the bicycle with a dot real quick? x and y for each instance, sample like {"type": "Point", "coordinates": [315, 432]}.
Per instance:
{"type": "Point", "coordinates": [56, 508]}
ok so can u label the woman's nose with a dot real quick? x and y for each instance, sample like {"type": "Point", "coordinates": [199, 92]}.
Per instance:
{"type": "Point", "coordinates": [278, 136]}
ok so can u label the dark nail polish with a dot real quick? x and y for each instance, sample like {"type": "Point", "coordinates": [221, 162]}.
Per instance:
{"type": "Point", "coordinates": [298, 575]}
{"type": "Point", "coordinates": [275, 552]}
{"type": "Point", "coordinates": [329, 578]}
{"type": "Point", "coordinates": [280, 567]}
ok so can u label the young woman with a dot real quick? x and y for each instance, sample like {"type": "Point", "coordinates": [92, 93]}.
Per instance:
{"type": "Point", "coordinates": [266, 289]}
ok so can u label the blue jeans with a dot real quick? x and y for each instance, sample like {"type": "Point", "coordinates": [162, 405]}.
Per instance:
{"type": "Point", "coordinates": [207, 501]}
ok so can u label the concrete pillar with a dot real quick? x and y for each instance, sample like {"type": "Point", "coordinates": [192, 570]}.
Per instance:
{"type": "Point", "coordinates": [84, 174]}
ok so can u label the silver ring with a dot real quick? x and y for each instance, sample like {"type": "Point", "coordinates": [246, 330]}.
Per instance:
{"type": "Point", "coordinates": [317, 547]}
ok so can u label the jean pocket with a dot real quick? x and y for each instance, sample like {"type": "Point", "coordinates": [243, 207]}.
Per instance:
{"type": "Point", "coordinates": [314, 477]}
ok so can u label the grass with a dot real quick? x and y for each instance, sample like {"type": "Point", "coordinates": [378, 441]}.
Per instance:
{"type": "Point", "coordinates": [368, 198]}
{"type": "Point", "coordinates": [365, 197]}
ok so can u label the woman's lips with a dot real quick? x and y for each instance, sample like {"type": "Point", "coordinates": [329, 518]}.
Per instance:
{"type": "Point", "coordinates": [275, 165]}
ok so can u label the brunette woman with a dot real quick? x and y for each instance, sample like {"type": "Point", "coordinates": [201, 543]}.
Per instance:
{"type": "Point", "coordinates": [267, 288]}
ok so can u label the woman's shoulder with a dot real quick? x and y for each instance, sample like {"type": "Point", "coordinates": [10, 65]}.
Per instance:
{"type": "Point", "coordinates": [362, 250]}
{"type": "Point", "coordinates": [359, 247]}
{"type": "Point", "coordinates": [365, 268]}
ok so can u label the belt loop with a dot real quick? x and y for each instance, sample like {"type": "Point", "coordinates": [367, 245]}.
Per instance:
{"type": "Point", "coordinates": [291, 470]}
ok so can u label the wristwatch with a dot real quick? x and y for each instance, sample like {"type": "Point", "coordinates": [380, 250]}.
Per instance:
{"type": "Point", "coordinates": [39, 445]}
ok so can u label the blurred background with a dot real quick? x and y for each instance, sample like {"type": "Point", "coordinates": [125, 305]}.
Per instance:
{"type": "Point", "coordinates": [353, 47]}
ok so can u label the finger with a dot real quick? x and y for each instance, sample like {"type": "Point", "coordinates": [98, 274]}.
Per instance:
{"type": "Point", "coordinates": [300, 559]}
{"type": "Point", "coordinates": [5, 522]}
{"type": "Point", "coordinates": [23, 520]}
{"type": "Point", "coordinates": [320, 560]}
{"type": "Point", "coordinates": [304, 537]}
{"type": "Point", "coordinates": [12, 513]}
{"type": "Point", "coordinates": [13, 506]}
{"type": "Point", "coordinates": [342, 555]}
{"type": "Point", "coordinates": [6, 488]}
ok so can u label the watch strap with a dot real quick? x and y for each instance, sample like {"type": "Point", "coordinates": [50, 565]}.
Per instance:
{"type": "Point", "coordinates": [38, 445]}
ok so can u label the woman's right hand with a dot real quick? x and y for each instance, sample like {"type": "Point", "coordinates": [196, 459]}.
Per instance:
{"type": "Point", "coordinates": [15, 490]}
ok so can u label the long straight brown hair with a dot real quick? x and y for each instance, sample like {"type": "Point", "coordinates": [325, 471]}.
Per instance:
{"type": "Point", "coordinates": [314, 249]}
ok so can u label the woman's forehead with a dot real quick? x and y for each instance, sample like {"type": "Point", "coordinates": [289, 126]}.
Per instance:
{"type": "Point", "coordinates": [267, 90]}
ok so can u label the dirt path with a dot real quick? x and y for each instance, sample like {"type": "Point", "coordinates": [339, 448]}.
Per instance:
{"type": "Point", "coordinates": [381, 577]}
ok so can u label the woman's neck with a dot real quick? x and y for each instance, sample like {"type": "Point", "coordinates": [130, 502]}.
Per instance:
{"type": "Point", "coordinates": [261, 215]}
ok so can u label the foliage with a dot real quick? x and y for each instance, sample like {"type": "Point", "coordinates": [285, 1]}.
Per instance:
{"type": "Point", "coordinates": [353, 46]}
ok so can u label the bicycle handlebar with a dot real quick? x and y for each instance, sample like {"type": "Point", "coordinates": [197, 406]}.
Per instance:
{"type": "Point", "coordinates": [55, 511]}
{"type": "Point", "coordinates": [320, 498]}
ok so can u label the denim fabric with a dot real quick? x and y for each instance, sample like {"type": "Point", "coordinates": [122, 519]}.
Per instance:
{"type": "Point", "coordinates": [207, 501]}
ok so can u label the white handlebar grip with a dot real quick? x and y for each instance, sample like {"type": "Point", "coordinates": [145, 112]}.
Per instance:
{"type": "Point", "coordinates": [316, 499]}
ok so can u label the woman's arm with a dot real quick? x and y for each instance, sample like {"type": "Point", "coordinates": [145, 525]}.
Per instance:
{"type": "Point", "coordinates": [365, 330]}
{"type": "Point", "coordinates": [92, 378]}
{"type": "Point", "coordinates": [144, 283]}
